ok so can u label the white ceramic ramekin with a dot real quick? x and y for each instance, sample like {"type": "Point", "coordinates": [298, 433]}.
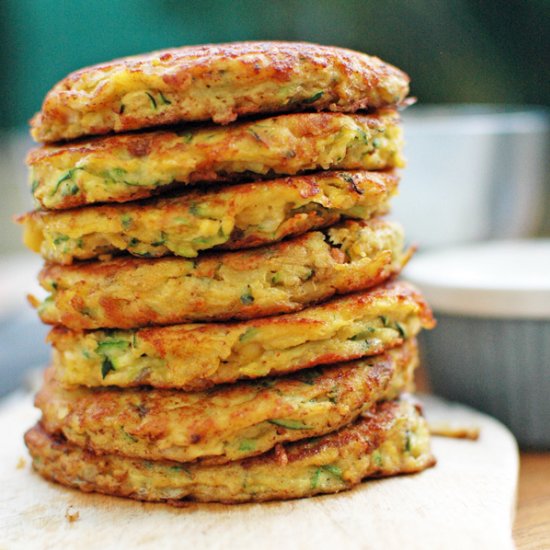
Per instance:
{"type": "Point", "coordinates": [491, 348]}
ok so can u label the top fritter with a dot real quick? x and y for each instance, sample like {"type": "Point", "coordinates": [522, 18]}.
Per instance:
{"type": "Point", "coordinates": [217, 82]}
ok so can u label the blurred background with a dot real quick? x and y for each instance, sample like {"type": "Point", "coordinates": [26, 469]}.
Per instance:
{"type": "Point", "coordinates": [477, 142]}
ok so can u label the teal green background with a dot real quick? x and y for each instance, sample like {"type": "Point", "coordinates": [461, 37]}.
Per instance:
{"type": "Point", "coordinates": [454, 50]}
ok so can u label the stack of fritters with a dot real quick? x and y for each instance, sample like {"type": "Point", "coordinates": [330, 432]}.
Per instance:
{"type": "Point", "coordinates": [225, 324]}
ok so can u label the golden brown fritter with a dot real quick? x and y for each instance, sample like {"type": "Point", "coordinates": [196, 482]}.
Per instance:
{"type": "Point", "coordinates": [227, 422]}
{"type": "Point", "coordinates": [232, 217]}
{"type": "Point", "coordinates": [194, 357]}
{"type": "Point", "coordinates": [390, 439]}
{"type": "Point", "coordinates": [132, 166]}
{"type": "Point", "coordinates": [284, 277]}
{"type": "Point", "coordinates": [219, 82]}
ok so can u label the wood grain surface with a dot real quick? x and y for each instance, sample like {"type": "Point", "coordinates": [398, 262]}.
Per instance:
{"type": "Point", "coordinates": [532, 525]}
{"type": "Point", "coordinates": [532, 522]}
{"type": "Point", "coordinates": [465, 502]}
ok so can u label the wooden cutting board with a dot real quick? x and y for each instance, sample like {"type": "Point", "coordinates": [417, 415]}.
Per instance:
{"type": "Point", "coordinates": [465, 502]}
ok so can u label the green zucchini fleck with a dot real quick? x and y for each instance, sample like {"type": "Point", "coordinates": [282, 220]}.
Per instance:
{"type": "Point", "coordinates": [377, 142]}
{"type": "Point", "coordinates": [314, 482]}
{"type": "Point", "coordinates": [289, 424]}
{"type": "Point", "coordinates": [385, 321]}
{"type": "Point", "coordinates": [408, 441]}
{"type": "Point", "coordinates": [164, 99]}
{"type": "Point", "coordinates": [330, 469]}
{"type": "Point", "coordinates": [247, 445]}
{"type": "Point", "coordinates": [111, 344]}
{"type": "Point", "coordinates": [363, 335]}
{"type": "Point", "coordinates": [314, 97]}
{"type": "Point", "coordinates": [126, 221]}
{"type": "Point", "coordinates": [106, 367]}
{"type": "Point", "coordinates": [377, 458]}
{"type": "Point", "coordinates": [161, 241]}
{"type": "Point", "coordinates": [396, 325]}
{"type": "Point", "coordinates": [34, 185]}
{"type": "Point", "coordinates": [197, 209]}
{"type": "Point", "coordinates": [181, 468]}
{"type": "Point", "coordinates": [248, 334]}
{"type": "Point", "coordinates": [202, 240]}
{"type": "Point", "coordinates": [132, 438]}
{"type": "Point", "coordinates": [401, 329]}
{"type": "Point", "coordinates": [255, 134]}
{"type": "Point", "coordinates": [247, 298]}
{"type": "Point", "coordinates": [152, 100]}
{"type": "Point", "coordinates": [60, 239]}
{"type": "Point", "coordinates": [115, 174]}
{"type": "Point", "coordinates": [276, 278]}
{"type": "Point", "coordinates": [334, 470]}
{"type": "Point", "coordinates": [65, 177]}
{"type": "Point", "coordinates": [363, 136]}
{"type": "Point", "coordinates": [70, 190]}
{"type": "Point", "coordinates": [333, 395]}
{"type": "Point", "coordinates": [257, 137]}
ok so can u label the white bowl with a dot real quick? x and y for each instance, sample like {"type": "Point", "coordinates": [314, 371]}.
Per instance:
{"type": "Point", "coordinates": [491, 348]}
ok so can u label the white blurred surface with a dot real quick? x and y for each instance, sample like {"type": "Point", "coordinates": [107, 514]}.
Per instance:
{"type": "Point", "coordinates": [473, 173]}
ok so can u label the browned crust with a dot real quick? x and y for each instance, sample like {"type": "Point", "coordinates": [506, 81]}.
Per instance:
{"type": "Point", "coordinates": [77, 283]}
{"type": "Point", "coordinates": [143, 143]}
{"type": "Point", "coordinates": [59, 461]}
{"type": "Point", "coordinates": [165, 159]}
{"type": "Point", "coordinates": [377, 186]}
{"type": "Point", "coordinates": [358, 81]}
{"type": "Point", "coordinates": [187, 426]}
{"type": "Point", "coordinates": [197, 356]}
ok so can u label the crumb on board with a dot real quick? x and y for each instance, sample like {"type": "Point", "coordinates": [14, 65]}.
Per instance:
{"type": "Point", "coordinates": [72, 514]}
{"type": "Point", "coordinates": [21, 463]}
{"type": "Point", "coordinates": [444, 429]}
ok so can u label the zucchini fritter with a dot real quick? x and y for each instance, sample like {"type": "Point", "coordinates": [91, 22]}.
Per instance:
{"type": "Point", "coordinates": [284, 277]}
{"type": "Point", "coordinates": [128, 167]}
{"type": "Point", "coordinates": [218, 82]}
{"type": "Point", "coordinates": [193, 357]}
{"type": "Point", "coordinates": [227, 422]}
{"type": "Point", "coordinates": [392, 438]}
{"type": "Point", "coordinates": [238, 216]}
